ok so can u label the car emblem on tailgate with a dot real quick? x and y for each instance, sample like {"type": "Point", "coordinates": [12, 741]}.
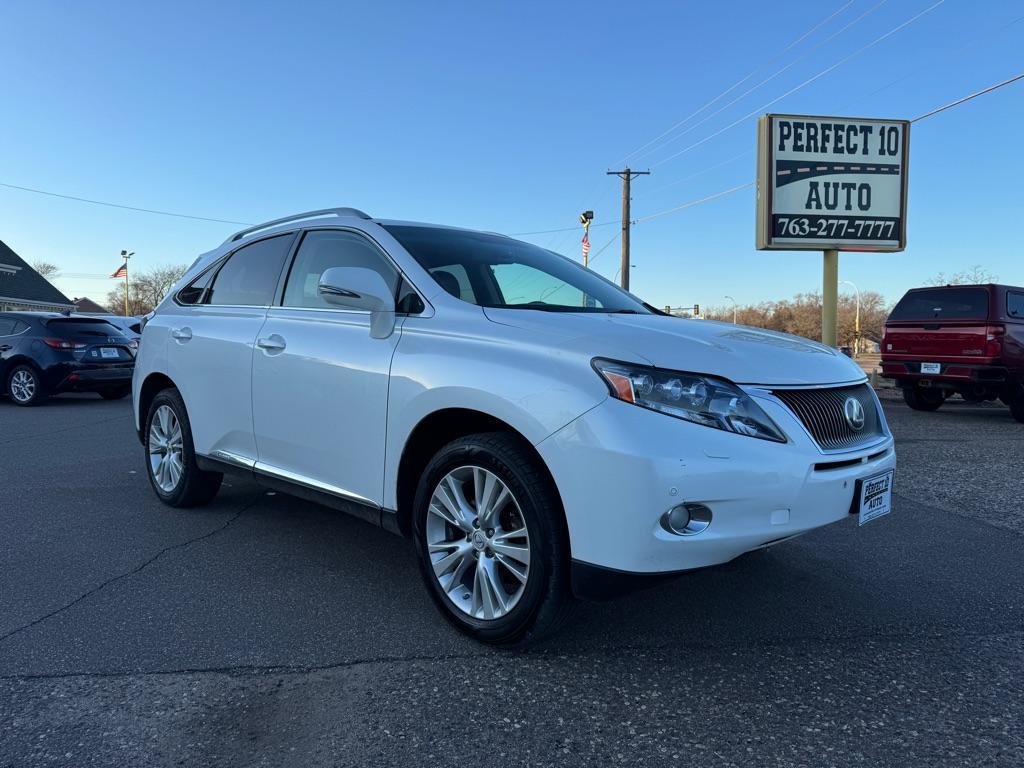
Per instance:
{"type": "Point", "coordinates": [854, 413]}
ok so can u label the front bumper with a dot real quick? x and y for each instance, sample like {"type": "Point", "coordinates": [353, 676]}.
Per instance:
{"type": "Point", "coordinates": [619, 468]}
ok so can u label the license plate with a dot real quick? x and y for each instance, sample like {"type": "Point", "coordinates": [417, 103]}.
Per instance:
{"type": "Point", "coordinates": [875, 496]}
{"type": "Point", "coordinates": [931, 368]}
{"type": "Point", "coordinates": [109, 352]}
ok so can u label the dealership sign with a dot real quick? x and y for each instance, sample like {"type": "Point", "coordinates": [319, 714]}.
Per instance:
{"type": "Point", "coordinates": [831, 183]}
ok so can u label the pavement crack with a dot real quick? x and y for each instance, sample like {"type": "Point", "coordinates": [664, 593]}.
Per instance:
{"type": "Point", "coordinates": [799, 645]}
{"type": "Point", "coordinates": [142, 566]}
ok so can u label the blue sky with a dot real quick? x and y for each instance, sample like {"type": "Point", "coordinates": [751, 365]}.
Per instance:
{"type": "Point", "coordinates": [496, 116]}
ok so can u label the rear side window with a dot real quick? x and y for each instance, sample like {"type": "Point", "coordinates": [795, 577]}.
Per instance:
{"type": "Point", "coordinates": [73, 327]}
{"type": "Point", "coordinates": [249, 277]}
{"type": "Point", "coordinates": [1015, 304]}
{"type": "Point", "coordinates": [193, 292]}
{"type": "Point", "coordinates": [6, 326]}
{"type": "Point", "coordinates": [943, 304]}
{"type": "Point", "coordinates": [322, 249]}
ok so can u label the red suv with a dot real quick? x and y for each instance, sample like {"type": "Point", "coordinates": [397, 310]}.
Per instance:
{"type": "Point", "coordinates": [965, 339]}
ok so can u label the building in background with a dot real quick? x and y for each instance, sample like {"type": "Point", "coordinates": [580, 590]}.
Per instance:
{"type": "Point", "coordinates": [86, 306]}
{"type": "Point", "coordinates": [21, 287]}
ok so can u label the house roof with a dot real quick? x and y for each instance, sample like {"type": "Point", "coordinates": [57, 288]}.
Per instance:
{"type": "Point", "coordinates": [19, 281]}
{"type": "Point", "coordinates": [87, 306]}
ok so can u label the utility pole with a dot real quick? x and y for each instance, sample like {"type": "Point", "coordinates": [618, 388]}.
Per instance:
{"type": "Point", "coordinates": [627, 176]}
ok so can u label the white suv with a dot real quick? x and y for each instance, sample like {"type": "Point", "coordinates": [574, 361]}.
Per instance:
{"type": "Point", "coordinates": [537, 432]}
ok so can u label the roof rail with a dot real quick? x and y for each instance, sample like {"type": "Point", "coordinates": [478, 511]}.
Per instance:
{"type": "Point", "coordinates": [343, 212]}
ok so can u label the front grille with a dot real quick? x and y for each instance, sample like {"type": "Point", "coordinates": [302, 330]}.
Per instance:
{"type": "Point", "coordinates": [823, 413]}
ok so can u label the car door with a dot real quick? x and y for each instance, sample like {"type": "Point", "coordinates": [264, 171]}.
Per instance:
{"type": "Point", "coordinates": [213, 326]}
{"type": "Point", "coordinates": [320, 381]}
{"type": "Point", "coordinates": [9, 329]}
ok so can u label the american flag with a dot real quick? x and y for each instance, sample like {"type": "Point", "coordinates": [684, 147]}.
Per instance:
{"type": "Point", "coordinates": [122, 271]}
{"type": "Point", "coordinates": [586, 245]}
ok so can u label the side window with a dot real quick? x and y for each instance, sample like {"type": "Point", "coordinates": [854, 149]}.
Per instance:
{"type": "Point", "coordinates": [409, 302]}
{"type": "Point", "coordinates": [193, 292]}
{"type": "Point", "coordinates": [322, 249]}
{"type": "Point", "coordinates": [7, 326]}
{"type": "Point", "coordinates": [249, 277]}
{"type": "Point", "coordinates": [1015, 304]}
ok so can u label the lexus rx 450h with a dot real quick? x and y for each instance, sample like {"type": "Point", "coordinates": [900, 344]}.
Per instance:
{"type": "Point", "coordinates": [538, 433]}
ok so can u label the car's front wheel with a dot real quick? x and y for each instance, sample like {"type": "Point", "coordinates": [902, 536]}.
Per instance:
{"type": "Point", "coordinates": [171, 458]}
{"type": "Point", "coordinates": [491, 541]}
{"type": "Point", "coordinates": [24, 386]}
{"type": "Point", "coordinates": [923, 399]}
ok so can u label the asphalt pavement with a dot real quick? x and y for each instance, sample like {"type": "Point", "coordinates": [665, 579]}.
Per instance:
{"type": "Point", "coordinates": [267, 631]}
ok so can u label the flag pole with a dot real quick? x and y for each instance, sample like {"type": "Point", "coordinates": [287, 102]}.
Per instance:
{"type": "Point", "coordinates": [126, 257]}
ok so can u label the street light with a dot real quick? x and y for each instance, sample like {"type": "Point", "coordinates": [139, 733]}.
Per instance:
{"type": "Point", "coordinates": [126, 255]}
{"type": "Point", "coordinates": [730, 298]}
{"type": "Point", "coordinates": [856, 320]}
{"type": "Point", "coordinates": [619, 271]}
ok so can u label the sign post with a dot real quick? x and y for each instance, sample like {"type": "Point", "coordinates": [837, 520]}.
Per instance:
{"type": "Point", "coordinates": [831, 184]}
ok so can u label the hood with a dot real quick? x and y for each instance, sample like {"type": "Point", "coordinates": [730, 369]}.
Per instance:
{"type": "Point", "coordinates": [738, 353]}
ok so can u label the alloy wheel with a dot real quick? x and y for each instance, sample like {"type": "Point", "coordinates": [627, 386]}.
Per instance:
{"type": "Point", "coordinates": [23, 386]}
{"type": "Point", "coordinates": [478, 543]}
{"type": "Point", "coordinates": [165, 449]}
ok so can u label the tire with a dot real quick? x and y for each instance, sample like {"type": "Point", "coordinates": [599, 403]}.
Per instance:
{"type": "Point", "coordinates": [531, 609]}
{"type": "Point", "coordinates": [923, 399]}
{"type": "Point", "coordinates": [166, 437]}
{"type": "Point", "coordinates": [24, 386]}
{"type": "Point", "coordinates": [970, 397]}
{"type": "Point", "coordinates": [115, 394]}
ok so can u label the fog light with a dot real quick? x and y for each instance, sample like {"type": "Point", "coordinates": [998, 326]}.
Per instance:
{"type": "Point", "coordinates": [686, 519]}
{"type": "Point", "coordinates": [677, 519]}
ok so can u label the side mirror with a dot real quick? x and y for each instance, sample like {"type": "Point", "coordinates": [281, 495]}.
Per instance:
{"type": "Point", "coordinates": [363, 289]}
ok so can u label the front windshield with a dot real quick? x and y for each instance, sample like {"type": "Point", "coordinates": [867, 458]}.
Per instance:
{"type": "Point", "coordinates": [496, 271]}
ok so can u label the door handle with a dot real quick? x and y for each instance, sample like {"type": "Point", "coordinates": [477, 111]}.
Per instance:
{"type": "Point", "coordinates": [271, 343]}
{"type": "Point", "coordinates": [181, 334]}
{"type": "Point", "coordinates": [5, 347]}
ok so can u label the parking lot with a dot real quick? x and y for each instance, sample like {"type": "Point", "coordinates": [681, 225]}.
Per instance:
{"type": "Point", "coordinates": [264, 630]}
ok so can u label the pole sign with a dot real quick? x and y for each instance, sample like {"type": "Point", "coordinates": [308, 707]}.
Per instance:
{"type": "Point", "coordinates": [831, 183]}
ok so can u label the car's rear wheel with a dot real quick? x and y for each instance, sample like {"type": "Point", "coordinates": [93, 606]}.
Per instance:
{"type": "Point", "coordinates": [24, 386]}
{"type": "Point", "coordinates": [170, 455]}
{"type": "Point", "coordinates": [924, 399]}
{"type": "Point", "coordinates": [115, 394]}
{"type": "Point", "coordinates": [491, 541]}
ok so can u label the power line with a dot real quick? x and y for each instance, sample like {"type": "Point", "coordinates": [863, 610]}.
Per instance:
{"type": "Point", "coordinates": [692, 203]}
{"type": "Point", "coordinates": [123, 207]}
{"type": "Point", "coordinates": [982, 92]}
{"type": "Point", "coordinates": [804, 84]}
{"type": "Point", "coordinates": [563, 229]}
{"type": "Point", "coordinates": [926, 115]}
{"type": "Point", "coordinates": [701, 172]}
{"type": "Point", "coordinates": [604, 247]}
{"type": "Point", "coordinates": [739, 82]}
{"type": "Point", "coordinates": [772, 76]}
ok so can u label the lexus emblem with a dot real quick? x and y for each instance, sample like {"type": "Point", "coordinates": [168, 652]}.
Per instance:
{"type": "Point", "coordinates": [854, 413]}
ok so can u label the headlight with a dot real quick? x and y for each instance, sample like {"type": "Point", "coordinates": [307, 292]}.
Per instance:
{"type": "Point", "coordinates": [701, 399]}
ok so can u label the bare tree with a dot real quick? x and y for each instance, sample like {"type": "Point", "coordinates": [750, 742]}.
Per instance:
{"type": "Point", "coordinates": [976, 275]}
{"type": "Point", "coordinates": [801, 315]}
{"type": "Point", "coordinates": [146, 289]}
{"type": "Point", "coordinates": [47, 269]}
